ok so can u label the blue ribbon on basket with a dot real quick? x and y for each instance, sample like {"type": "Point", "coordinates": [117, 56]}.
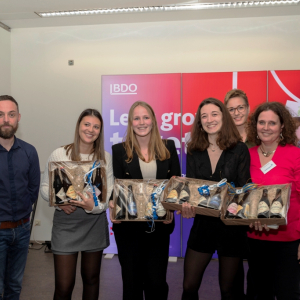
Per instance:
{"type": "Point", "coordinates": [89, 176]}
{"type": "Point", "coordinates": [153, 197]}
{"type": "Point", "coordinates": [204, 190]}
{"type": "Point", "coordinates": [232, 190]}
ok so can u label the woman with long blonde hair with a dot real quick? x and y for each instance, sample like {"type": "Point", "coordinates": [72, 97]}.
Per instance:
{"type": "Point", "coordinates": [144, 256]}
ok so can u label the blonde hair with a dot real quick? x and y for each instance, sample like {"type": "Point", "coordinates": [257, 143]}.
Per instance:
{"type": "Point", "coordinates": [156, 148]}
{"type": "Point", "coordinates": [236, 93]}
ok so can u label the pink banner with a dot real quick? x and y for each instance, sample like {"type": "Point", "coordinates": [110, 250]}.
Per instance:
{"type": "Point", "coordinates": [175, 116]}
{"type": "Point", "coordinates": [284, 87]}
{"type": "Point", "coordinates": [163, 93]}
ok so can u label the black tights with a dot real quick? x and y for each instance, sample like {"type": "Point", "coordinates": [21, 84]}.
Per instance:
{"type": "Point", "coordinates": [195, 264]}
{"type": "Point", "coordinates": [65, 273]}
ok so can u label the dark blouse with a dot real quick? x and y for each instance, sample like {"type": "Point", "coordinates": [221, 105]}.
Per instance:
{"type": "Point", "coordinates": [233, 165]}
{"type": "Point", "coordinates": [209, 233]}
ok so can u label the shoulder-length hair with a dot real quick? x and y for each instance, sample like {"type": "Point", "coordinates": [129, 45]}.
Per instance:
{"type": "Point", "coordinates": [98, 147]}
{"type": "Point", "coordinates": [156, 148]}
{"type": "Point", "coordinates": [228, 135]}
{"type": "Point", "coordinates": [285, 118]}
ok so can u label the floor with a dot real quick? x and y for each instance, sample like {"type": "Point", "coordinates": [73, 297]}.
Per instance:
{"type": "Point", "coordinates": [38, 282]}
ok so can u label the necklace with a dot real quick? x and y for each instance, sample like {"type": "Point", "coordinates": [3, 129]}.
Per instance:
{"type": "Point", "coordinates": [266, 154]}
{"type": "Point", "coordinates": [212, 148]}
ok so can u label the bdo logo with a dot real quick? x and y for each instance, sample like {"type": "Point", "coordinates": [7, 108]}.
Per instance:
{"type": "Point", "coordinates": [123, 89]}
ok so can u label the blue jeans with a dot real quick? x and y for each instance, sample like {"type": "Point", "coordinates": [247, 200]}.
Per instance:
{"type": "Point", "coordinates": [13, 255]}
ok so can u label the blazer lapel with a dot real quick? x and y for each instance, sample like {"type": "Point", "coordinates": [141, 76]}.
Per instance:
{"type": "Point", "coordinates": [134, 167]}
{"type": "Point", "coordinates": [162, 169]}
{"type": "Point", "coordinates": [135, 170]}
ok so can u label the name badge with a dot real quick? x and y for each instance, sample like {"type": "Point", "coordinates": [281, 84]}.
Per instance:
{"type": "Point", "coordinates": [268, 167]}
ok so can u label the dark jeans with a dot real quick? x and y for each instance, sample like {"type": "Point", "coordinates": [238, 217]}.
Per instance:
{"type": "Point", "coordinates": [144, 261]}
{"type": "Point", "coordinates": [275, 269]}
{"type": "Point", "coordinates": [13, 255]}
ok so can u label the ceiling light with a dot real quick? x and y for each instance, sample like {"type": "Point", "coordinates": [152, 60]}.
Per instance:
{"type": "Point", "coordinates": [179, 7]}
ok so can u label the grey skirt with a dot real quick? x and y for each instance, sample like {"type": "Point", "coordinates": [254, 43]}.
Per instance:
{"type": "Point", "coordinates": [79, 231]}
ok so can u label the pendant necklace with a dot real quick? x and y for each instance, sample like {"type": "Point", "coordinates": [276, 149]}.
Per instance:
{"type": "Point", "coordinates": [211, 148]}
{"type": "Point", "coordinates": [266, 154]}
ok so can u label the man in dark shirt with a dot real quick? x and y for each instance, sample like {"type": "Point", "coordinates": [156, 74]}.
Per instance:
{"type": "Point", "coordinates": [19, 187]}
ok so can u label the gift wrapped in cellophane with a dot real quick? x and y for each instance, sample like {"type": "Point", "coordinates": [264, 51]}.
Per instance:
{"type": "Point", "coordinates": [139, 200]}
{"type": "Point", "coordinates": [66, 178]}
{"type": "Point", "coordinates": [265, 203]}
{"type": "Point", "coordinates": [206, 196]}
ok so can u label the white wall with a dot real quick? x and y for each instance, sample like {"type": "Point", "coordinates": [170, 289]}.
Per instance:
{"type": "Point", "coordinates": [52, 94]}
{"type": "Point", "coordinates": [4, 62]}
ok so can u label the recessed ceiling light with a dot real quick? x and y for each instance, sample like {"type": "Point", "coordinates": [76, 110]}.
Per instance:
{"type": "Point", "coordinates": [179, 7]}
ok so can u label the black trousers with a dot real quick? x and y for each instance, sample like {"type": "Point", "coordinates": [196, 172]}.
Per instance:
{"type": "Point", "coordinates": [275, 270]}
{"type": "Point", "coordinates": [144, 260]}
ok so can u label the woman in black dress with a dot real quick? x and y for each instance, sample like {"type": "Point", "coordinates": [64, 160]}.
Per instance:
{"type": "Point", "coordinates": [144, 256]}
{"type": "Point", "coordinates": [215, 152]}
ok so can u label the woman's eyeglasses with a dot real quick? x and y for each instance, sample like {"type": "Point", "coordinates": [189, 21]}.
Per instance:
{"type": "Point", "coordinates": [240, 109]}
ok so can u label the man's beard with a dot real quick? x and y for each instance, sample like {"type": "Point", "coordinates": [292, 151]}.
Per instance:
{"type": "Point", "coordinates": [8, 133]}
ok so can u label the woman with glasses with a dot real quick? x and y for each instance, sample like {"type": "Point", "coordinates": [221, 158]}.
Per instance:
{"type": "Point", "coordinates": [237, 104]}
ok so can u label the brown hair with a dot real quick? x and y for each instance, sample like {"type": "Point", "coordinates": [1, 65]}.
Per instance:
{"type": "Point", "coordinates": [285, 118]}
{"type": "Point", "coordinates": [228, 136]}
{"type": "Point", "coordinates": [98, 148]}
{"type": "Point", "coordinates": [297, 121]}
{"type": "Point", "coordinates": [236, 93]}
{"type": "Point", "coordinates": [156, 148]}
{"type": "Point", "coordinates": [9, 98]}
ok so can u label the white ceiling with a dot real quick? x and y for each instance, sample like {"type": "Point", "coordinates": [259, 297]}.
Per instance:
{"type": "Point", "coordinates": [20, 13]}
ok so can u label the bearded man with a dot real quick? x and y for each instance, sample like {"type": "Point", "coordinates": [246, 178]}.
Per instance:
{"type": "Point", "coordinates": [19, 187]}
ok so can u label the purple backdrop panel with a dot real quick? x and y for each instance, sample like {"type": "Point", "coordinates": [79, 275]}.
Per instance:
{"type": "Point", "coordinates": [186, 228]}
{"type": "Point", "coordinates": [162, 92]}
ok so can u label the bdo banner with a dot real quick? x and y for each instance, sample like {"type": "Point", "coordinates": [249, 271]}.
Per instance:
{"type": "Point", "coordinates": [163, 93]}
{"type": "Point", "coordinates": [175, 99]}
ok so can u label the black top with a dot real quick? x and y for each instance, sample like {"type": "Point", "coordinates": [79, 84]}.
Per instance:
{"type": "Point", "coordinates": [233, 165]}
{"type": "Point", "coordinates": [209, 233]}
{"type": "Point", "coordinates": [165, 170]}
